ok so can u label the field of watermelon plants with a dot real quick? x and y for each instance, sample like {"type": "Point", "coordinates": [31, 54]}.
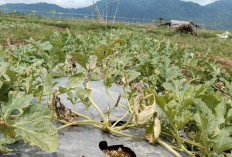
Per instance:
{"type": "Point", "coordinates": [192, 90]}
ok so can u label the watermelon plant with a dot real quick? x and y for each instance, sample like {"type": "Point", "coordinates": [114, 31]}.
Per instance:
{"type": "Point", "coordinates": [193, 92]}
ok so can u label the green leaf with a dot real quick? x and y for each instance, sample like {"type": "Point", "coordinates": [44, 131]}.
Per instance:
{"type": "Point", "coordinates": [223, 141]}
{"type": "Point", "coordinates": [173, 73]}
{"type": "Point", "coordinates": [4, 90]}
{"type": "Point", "coordinates": [47, 82]}
{"type": "Point", "coordinates": [118, 41]}
{"type": "Point", "coordinates": [229, 129]}
{"type": "Point", "coordinates": [108, 81]}
{"type": "Point", "coordinates": [205, 119]}
{"type": "Point", "coordinates": [63, 90]}
{"type": "Point", "coordinates": [12, 75]}
{"type": "Point", "coordinates": [228, 155]}
{"type": "Point", "coordinates": [1, 83]}
{"type": "Point", "coordinates": [35, 129]}
{"type": "Point", "coordinates": [169, 72]}
{"type": "Point", "coordinates": [166, 105]}
{"type": "Point", "coordinates": [71, 97]}
{"type": "Point", "coordinates": [81, 92]}
{"type": "Point", "coordinates": [46, 45]}
{"type": "Point", "coordinates": [47, 90]}
{"type": "Point", "coordinates": [200, 90]}
{"type": "Point", "coordinates": [220, 112]}
{"type": "Point", "coordinates": [4, 141]}
{"type": "Point", "coordinates": [183, 118]}
{"type": "Point", "coordinates": [208, 123]}
{"type": "Point", "coordinates": [16, 104]}
{"type": "Point", "coordinates": [59, 56]}
{"type": "Point", "coordinates": [102, 52]}
{"type": "Point", "coordinates": [174, 86]}
{"type": "Point", "coordinates": [80, 58]}
{"type": "Point", "coordinates": [153, 130]}
{"type": "Point", "coordinates": [94, 76]}
{"type": "Point", "coordinates": [74, 80]}
{"type": "Point", "coordinates": [57, 43]}
{"type": "Point", "coordinates": [7, 130]}
{"type": "Point", "coordinates": [149, 133]}
{"type": "Point", "coordinates": [39, 93]}
{"type": "Point", "coordinates": [211, 100]}
{"type": "Point", "coordinates": [229, 115]}
{"type": "Point", "coordinates": [132, 76]}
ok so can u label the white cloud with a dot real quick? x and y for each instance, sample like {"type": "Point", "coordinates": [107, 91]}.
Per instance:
{"type": "Point", "coordinates": [201, 2]}
{"type": "Point", "coordinates": [62, 3]}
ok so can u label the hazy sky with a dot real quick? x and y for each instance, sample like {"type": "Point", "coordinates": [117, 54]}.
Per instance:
{"type": "Point", "coordinates": [202, 2]}
{"type": "Point", "coordinates": [79, 3]}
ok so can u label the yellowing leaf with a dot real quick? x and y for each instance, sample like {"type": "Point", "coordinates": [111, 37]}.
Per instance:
{"type": "Point", "coordinates": [147, 114]}
{"type": "Point", "coordinates": [153, 130]}
{"type": "Point", "coordinates": [157, 129]}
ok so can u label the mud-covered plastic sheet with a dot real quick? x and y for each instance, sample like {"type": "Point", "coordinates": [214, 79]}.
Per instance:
{"type": "Point", "coordinates": [84, 140]}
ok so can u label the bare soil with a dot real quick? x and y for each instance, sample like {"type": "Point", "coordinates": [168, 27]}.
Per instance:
{"type": "Point", "coordinates": [118, 153]}
{"type": "Point", "coordinates": [224, 61]}
{"type": "Point", "coordinates": [58, 27]}
{"type": "Point", "coordinates": [14, 42]}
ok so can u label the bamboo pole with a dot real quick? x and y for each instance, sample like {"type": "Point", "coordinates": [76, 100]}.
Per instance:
{"type": "Point", "coordinates": [115, 14]}
{"type": "Point", "coordinates": [106, 13]}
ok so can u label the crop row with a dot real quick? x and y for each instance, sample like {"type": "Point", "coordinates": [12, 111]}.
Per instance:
{"type": "Point", "coordinates": [193, 91]}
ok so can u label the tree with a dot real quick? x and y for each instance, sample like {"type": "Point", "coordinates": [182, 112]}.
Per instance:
{"type": "Point", "coordinates": [7, 10]}
{"type": "Point", "coordinates": [13, 12]}
{"type": "Point", "coordinates": [161, 19]}
{"type": "Point", "coordinates": [53, 12]}
{"type": "Point", "coordinates": [32, 11]}
{"type": "Point", "coordinates": [60, 13]}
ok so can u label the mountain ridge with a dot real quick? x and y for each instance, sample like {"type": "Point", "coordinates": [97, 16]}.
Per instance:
{"type": "Point", "coordinates": [150, 9]}
{"type": "Point", "coordinates": [222, 5]}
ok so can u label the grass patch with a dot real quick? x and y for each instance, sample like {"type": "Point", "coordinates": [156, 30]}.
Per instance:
{"type": "Point", "coordinates": [43, 28]}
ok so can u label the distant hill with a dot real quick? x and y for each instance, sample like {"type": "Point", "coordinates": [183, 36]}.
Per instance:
{"type": "Point", "coordinates": [170, 9]}
{"type": "Point", "coordinates": [153, 9]}
{"type": "Point", "coordinates": [217, 13]}
{"type": "Point", "coordinates": [222, 5]}
{"type": "Point", "coordinates": [39, 7]}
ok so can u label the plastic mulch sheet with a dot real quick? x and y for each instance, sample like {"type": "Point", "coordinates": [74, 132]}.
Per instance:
{"type": "Point", "coordinates": [84, 140]}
